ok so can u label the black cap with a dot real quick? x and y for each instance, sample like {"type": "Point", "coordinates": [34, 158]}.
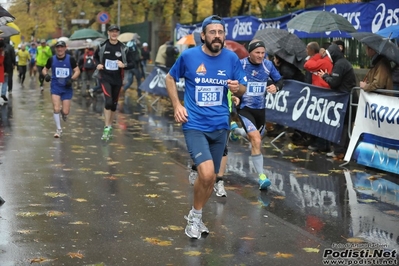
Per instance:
{"type": "Point", "coordinates": [114, 27]}
{"type": "Point", "coordinates": [60, 43]}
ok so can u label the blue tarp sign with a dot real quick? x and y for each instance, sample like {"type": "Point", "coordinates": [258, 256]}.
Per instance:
{"type": "Point", "coordinates": [314, 110]}
{"type": "Point", "coordinates": [155, 83]}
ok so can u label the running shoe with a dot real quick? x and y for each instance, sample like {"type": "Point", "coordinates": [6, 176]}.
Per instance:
{"type": "Point", "coordinates": [4, 98]}
{"type": "Point", "coordinates": [192, 177]}
{"type": "Point", "coordinates": [58, 133]}
{"type": "Point", "coordinates": [91, 93]}
{"type": "Point", "coordinates": [64, 116]}
{"type": "Point", "coordinates": [195, 227]}
{"type": "Point", "coordinates": [107, 133]}
{"type": "Point", "coordinates": [264, 182]}
{"type": "Point", "coordinates": [219, 189]}
{"type": "Point", "coordinates": [233, 137]}
{"type": "Point", "coordinates": [41, 88]}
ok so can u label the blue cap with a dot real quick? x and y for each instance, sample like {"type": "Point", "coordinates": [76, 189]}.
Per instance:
{"type": "Point", "coordinates": [214, 19]}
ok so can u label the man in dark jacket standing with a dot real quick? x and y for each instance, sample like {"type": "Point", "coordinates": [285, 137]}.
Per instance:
{"type": "Point", "coordinates": [342, 78]}
{"type": "Point", "coordinates": [9, 64]}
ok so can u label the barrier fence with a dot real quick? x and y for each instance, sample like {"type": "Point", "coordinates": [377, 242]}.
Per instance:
{"type": "Point", "coordinates": [374, 139]}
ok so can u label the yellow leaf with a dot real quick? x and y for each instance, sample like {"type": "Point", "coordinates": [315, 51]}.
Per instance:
{"type": "Point", "coordinates": [54, 213]}
{"type": "Point", "coordinates": [260, 253]}
{"type": "Point", "coordinates": [372, 178]}
{"type": "Point", "coordinates": [80, 200]}
{"type": "Point", "coordinates": [175, 228]}
{"type": "Point", "coordinates": [278, 197]}
{"type": "Point", "coordinates": [283, 255]}
{"type": "Point", "coordinates": [158, 242]}
{"type": "Point", "coordinates": [100, 173]}
{"type": "Point", "coordinates": [355, 240]}
{"type": "Point", "coordinates": [78, 222]}
{"type": "Point", "coordinates": [75, 255]}
{"type": "Point", "coordinates": [227, 256]}
{"type": "Point", "coordinates": [316, 250]}
{"type": "Point", "coordinates": [192, 253]}
{"type": "Point", "coordinates": [112, 163]}
{"type": "Point", "coordinates": [247, 238]}
{"type": "Point", "coordinates": [168, 163]}
{"type": "Point", "coordinates": [320, 174]}
{"type": "Point", "coordinates": [25, 232]}
{"type": "Point", "coordinates": [28, 214]}
{"type": "Point", "coordinates": [152, 196]}
{"type": "Point", "coordinates": [55, 194]}
{"type": "Point", "coordinates": [84, 169]}
{"type": "Point", "coordinates": [124, 222]}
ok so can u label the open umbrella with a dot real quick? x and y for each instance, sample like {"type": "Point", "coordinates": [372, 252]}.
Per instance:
{"type": "Point", "coordinates": [391, 32]}
{"type": "Point", "coordinates": [320, 21]}
{"type": "Point", "coordinates": [237, 48]}
{"type": "Point", "coordinates": [5, 16]}
{"type": "Point", "coordinates": [86, 34]}
{"type": "Point", "coordinates": [379, 44]}
{"type": "Point", "coordinates": [6, 31]}
{"type": "Point", "coordinates": [76, 44]}
{"type": "Point", "coordinates": [128, 36]}
{"type": "Point", "coordinates": [187, 40]}
{"type": "Point", "coordinates": [284, 44]}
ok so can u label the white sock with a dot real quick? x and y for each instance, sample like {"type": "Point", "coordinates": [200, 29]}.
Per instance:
{"type": "Point", "coordinates": [57, 120]}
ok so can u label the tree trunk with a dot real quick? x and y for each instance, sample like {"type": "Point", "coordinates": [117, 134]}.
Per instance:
{"type": "Point", "coordinates": [177, 7]}
{"type": "Point", "coordinates": [222, 8]}
{"type": "Point", "coordinates": [194, 12]}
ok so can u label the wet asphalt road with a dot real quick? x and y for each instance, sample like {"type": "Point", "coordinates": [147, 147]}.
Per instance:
{"type": "Point", "coordinates": [82, 201]}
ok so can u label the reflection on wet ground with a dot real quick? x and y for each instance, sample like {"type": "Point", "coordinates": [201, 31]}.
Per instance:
{"type": "Point", "coordinates": [309, 189]}
{"type": "Point", "coordinates": [78, 195]}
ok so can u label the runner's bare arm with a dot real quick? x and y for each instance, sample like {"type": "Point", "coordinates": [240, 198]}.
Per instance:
{"type": "Point", "coordinates": [179, 110]}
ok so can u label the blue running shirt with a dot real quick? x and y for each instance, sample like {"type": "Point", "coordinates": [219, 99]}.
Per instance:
{"type": "Point", "coordinates": [205, 96]}
{"type": "Point", "coordinates": [257, 75]}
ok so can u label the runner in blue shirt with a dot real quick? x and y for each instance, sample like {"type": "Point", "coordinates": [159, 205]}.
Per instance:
{"type": "Point", "coordinates": [209, 72]}
{"type": "Point", "coordinates": [251, 108]}
{"type": "Point", "coordinates": [32, 62]}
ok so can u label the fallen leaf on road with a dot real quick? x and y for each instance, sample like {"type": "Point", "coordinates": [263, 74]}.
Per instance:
{"type": "Point", "coordinates": [54, 213]}
{"type": "Point", "coordinates": [55, 194]}
{"type": "Point", "coordinates": [80, 200]}
{"type": "Point", "coordinates": [260, 253]}
{"type": "Point", "coordinates": [278, 197]}
{"type": "Point", "coordinates": [283, 255]}
{"type": "Point", "coordinates": [247, 238]}
{"type": "Point", "coordinates": [172, 228]}
{"type": "Point", "coordinates": [372, 178]}
{"type": "Point", "coordinates": [354, 240]}
{"type": "Point", "coordinates": [78, 222]}
{"type": "Point", "coordinates": [111, 177]}
{"type": "Point", "coordinates": [158, 242]}
{"type": "Point", "coordinates": [40, 260]}
{"type": "Point", "coordinates": [192, 253]}
{"type": "Point", "coordinates": [28, 214]}
{"type": "Point", "coordinates": [227, 256]}
{"type": "Point", "coordinates": [367, 200]}
{"type": "Point", "coordinates": [152, 196]}
{"type": "Point", "coordinates": [316, 250]}
{"type": "Point", "coordinates": [75, 255]}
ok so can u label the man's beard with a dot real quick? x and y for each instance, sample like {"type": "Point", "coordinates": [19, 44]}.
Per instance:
{"type": "Point", "coordinates": [216, 49]}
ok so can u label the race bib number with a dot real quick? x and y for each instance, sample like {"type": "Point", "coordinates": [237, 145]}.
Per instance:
{"type": "Point", "coordinates": [208, 95]}
{"type": "Point", "coordinates": [61, 72]}
{"type": "Point", "coordinates": [111, 64]}
{"type": "Point", "coordinates": [256, 88]}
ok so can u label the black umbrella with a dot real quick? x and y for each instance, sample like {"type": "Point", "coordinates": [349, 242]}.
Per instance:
{"type": "Point", "coordinates": [5, 16]}
{"type": "Point", "coordinates": [320, 21]}
{"type": "Point", "coordinates": [284, 44]}
{"type": "Point", "coordinates": [379, 44]}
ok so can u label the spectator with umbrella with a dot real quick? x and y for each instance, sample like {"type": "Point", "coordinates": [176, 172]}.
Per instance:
{"type": "Point", "coordinates": [381, 51]}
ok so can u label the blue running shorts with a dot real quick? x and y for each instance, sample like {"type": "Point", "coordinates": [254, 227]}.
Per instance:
{"type": "Point", "coordinates": [65, 94]}
{"type": "Point", "coordinates": [204, 146]}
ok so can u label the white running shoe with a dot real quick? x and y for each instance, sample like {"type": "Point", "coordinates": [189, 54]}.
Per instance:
{"type": "Point", "coordinates": [219, 189]}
